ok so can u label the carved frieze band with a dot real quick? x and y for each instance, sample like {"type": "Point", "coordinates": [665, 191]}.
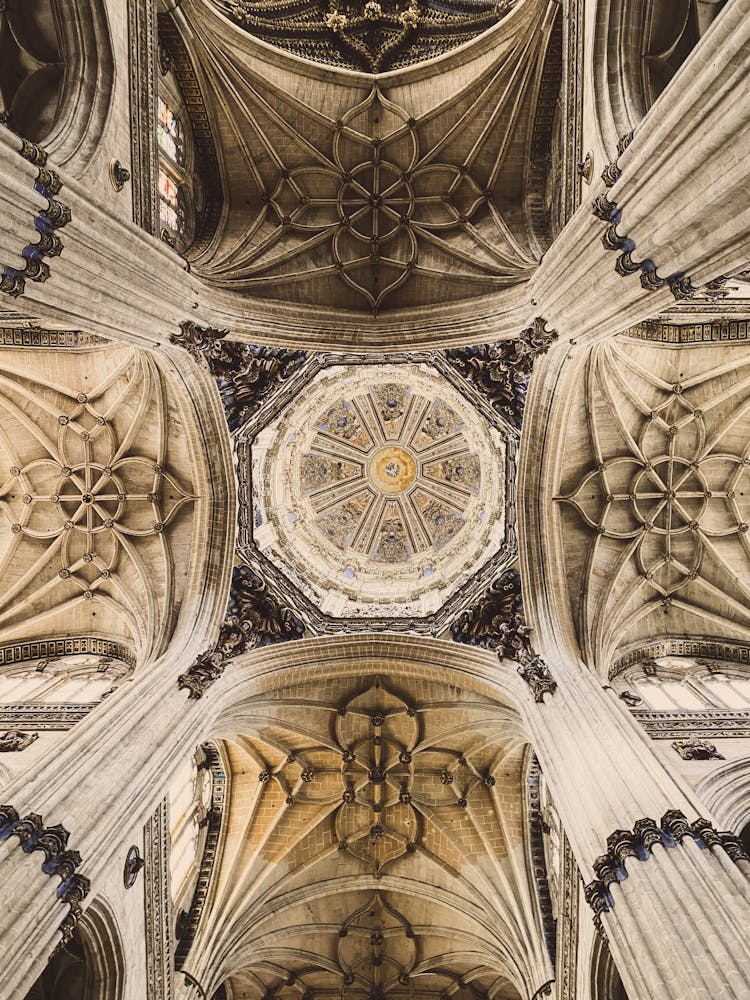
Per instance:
{"type": "Point", "coordinates": [705, 725]}
{"type": "Point", "coordinates": [639, 843]}
{"type": "Point", "coordinates": [210, 852]}
{"type": "Point", "coordinates": [35, 336]}
{"type": "Point", "coordinates": [497, 622]}
{"type": "Point", "coordinates": [717, 332]}
{"type": "Point", "coordinates": [572, 94]}
{"type": "Point", "coordinates": [46, 241]}
{"type": "Point", "coordinates": [144, 152]}
{"type": "Point", "coordinates": [38, 649]}
{"type": "Point", "coordinates": [678, 283]}
{"type": "Point", "coordinates": [58, 860]}
{"type": "Point", "coordinates": [41, 716]}
{"type": "Point", "coordinates": [156, 899]}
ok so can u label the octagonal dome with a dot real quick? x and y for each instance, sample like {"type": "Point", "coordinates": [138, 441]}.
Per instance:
{"type": "Point", "coordinates": [380, 490]}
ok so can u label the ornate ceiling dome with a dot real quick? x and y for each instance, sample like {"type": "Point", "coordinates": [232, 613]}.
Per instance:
{"type": "Point", "coordinates": [370, 35]}
{"type": "Point", "coordinates": [379, 490]}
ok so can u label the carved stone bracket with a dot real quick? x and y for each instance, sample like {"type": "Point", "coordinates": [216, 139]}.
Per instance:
{"type": "Point", "coordinates": [48, 243]}
{"type": "Point", "coordinates": [639, 843]}
{"type": "Point", "coordinates": [254, 618]}
{"type": "Point", "coordinates": [497, 622]}
{"type": "Point", "coordinates": [612, 172]}
{"type": "Point", "coordinates": [501, 371]}
{"type": "Point", "coordinates": [680, 285]}
{"type": "Point", "coordinates": [15, 740]}
{"type": "Point", "coordinates": [245, 374]}
{"type": "Point", "coordinates": [52, 842]}
{"type": "Point", "coordinates": [696, 749]}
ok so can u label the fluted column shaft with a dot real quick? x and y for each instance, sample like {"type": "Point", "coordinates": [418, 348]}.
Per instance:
{"type": "Point", "coordinates": [677, 922]}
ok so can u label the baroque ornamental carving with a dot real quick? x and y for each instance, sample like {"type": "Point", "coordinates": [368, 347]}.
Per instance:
{"type": "Point", "coordinates": [254, 618]}
{"type": "Point", "coordinates": [370, 35]}
{"type": "Point", "coordinates": [245, 374]}
{"type": "Point", "coordinates": [501, 371]}
{"type": "Point", "coordinates": [497, 622]}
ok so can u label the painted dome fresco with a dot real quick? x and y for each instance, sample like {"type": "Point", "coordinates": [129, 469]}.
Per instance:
{"type": "Point", "coordinates": [379, 489]}
{"type": "Point", "coordinates": [369, 35]}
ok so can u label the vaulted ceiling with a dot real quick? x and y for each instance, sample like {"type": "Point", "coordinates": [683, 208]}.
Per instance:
{"type": "Point", "coordinates": [378, 847]}
{"type": "Point", "coordinates": [350, 191]}
{"type": "Point", "coordinates": [653, 495]}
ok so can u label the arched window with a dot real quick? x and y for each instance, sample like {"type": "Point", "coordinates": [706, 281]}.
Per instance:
{"type": "Point", "coordinates": [180, 188]}
{"type": "Point", "coordinates": [684, 683]}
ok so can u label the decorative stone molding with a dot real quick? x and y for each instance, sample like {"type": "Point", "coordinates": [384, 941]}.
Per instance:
{"type": "Point", "coordinates": [696, 749]}
{"type": "Point", "coordinates": [58, 860]}
{"type": "Point", "coordinates": [710, 649]}
{"type": "Point", "coordinates": [40, 649]}
{"type": "Point", "coordinates": [210, 857]}
{"type": "Point", "coordinates": [157, 906]}
{"type": "Point", "coordinates": [15, 740]}
{"type": "Point", "coordinates": [567, 925]}
{"type": "Point", "coordinates": [501, 371]}
{"type": "Point", "coordinates": [48, 244]}
{"type": "Point", "coordinates": [572, 113]}
{"type": "Point", "coordinates": [497, 622]}
{"type": "Point", "coordinates": [708, 724]}
{"type": "Point", "coordinates": [538, 860]}
{"type": "Point", "coordinates": [254, 618]}
{"type": "Point", "coordinates": [725, 331]}
{"type": "Point", "coordinates": [639, 843]}
{"type": "Point", "coordinates": [35, 336]}
{"type": "Point", "coordinates": [245, 374]}
{"type": "Point", "coordinates": [680, 285]}
{"type": "Point", "coordinates": [43, 716]}
{"type": "Point", "coordinates": [142, 43]}
{"type": "Point", "coordinates": [612, 172]}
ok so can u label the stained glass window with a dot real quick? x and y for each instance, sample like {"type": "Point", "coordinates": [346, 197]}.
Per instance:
{"type": "Point", "coordinates": [171, 212]}
{"type": "Point", "coordinates": [171, 135]}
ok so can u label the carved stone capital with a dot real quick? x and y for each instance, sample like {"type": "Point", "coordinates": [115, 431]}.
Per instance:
{"type": "Point", "coordinates": [35, 836]}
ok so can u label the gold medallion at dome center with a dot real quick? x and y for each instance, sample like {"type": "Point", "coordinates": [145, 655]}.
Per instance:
{"type": "Point", "coordinates": [391, 470]}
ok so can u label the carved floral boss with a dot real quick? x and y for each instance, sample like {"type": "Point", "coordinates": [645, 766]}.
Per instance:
{"type": "Point", "coordinates": [377, 202]}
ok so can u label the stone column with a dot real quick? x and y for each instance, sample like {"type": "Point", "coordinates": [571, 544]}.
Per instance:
{"type": "Point", "coordinates": [100, 782]}
{"type": "Point", "coordinates": [671, 895]}
{"type": "Point", "coordinates": [680, 201]}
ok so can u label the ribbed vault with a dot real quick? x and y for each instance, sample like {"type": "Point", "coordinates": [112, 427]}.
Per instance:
{"type": "Point", "coordinates": [376, 846]}
{"type": "Point", "coordinates": [374, 192]}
